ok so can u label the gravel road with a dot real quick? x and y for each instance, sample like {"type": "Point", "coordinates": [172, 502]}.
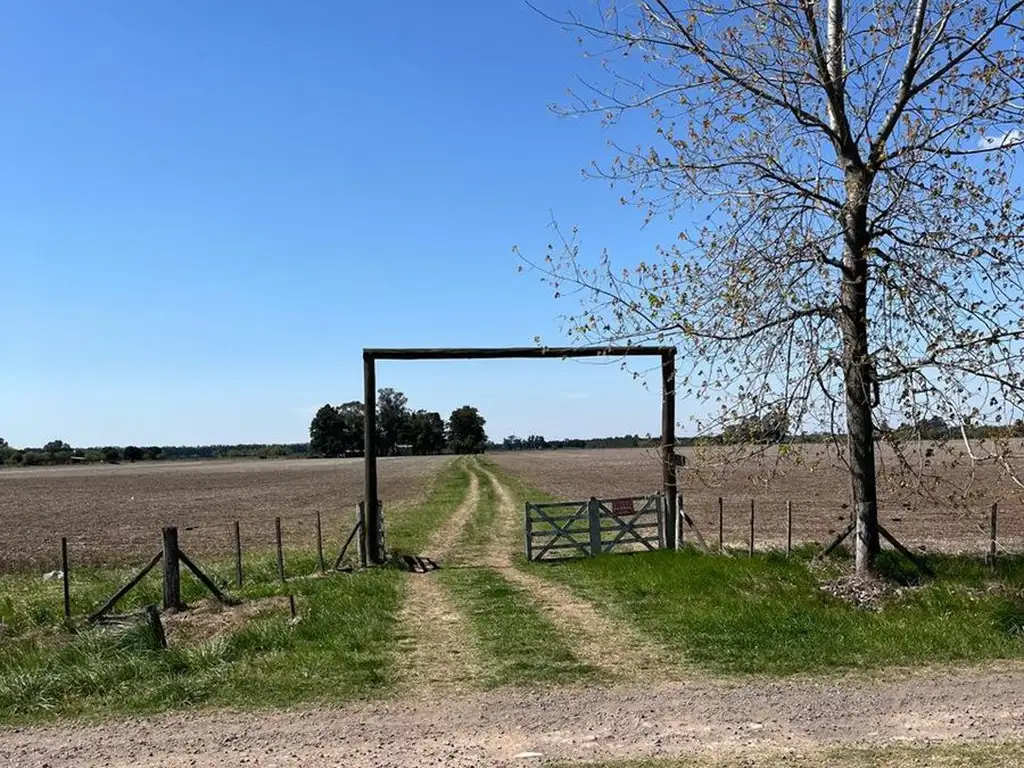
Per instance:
{"type": "Point", "coordinates": [492, 728]}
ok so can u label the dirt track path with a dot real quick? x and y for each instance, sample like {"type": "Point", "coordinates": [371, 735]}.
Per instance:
{"type": "Point", "coordinates": [435, 653]}
{"type": "Point", "coordinates": [674, 719]}
{"type": "Point", "coordinates": [615, 649]}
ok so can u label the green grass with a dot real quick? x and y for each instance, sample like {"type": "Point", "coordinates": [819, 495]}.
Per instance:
{"type": "Point", "coordinates": [341, 648]}
{"type": "Point", "coordinates": [766, 615]}
{"type": "Point", "coordinates": [517, 643]}
{"type": "Point", "coordinates": [408, 528]}
{"type": "Point", "coordinates": [344, 645]}
{"type": "Point", "coordinates": [933, 756]}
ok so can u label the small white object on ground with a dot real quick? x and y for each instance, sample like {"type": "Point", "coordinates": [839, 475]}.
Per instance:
{"type": "Point", "coordinates": [53, 575]}
{"type": "Point", "coordinates": [527, 755]}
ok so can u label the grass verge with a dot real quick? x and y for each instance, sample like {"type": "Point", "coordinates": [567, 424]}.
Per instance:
{"type": "Point", "coordinates": [340, 648]}
{"type": "Point", "coordinates": [343, 645]}
{"type": "Point", "coordinates": [934, 756]}
{"type": "Point", "coordinates": [768, 615]}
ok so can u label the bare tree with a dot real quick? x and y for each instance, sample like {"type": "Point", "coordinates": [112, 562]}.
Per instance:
{"type": "Point", "coordinates": [852, 167]}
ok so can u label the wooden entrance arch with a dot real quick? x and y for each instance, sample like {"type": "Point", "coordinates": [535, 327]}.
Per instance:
{"type": "Point", "coordinates": [668, 415]}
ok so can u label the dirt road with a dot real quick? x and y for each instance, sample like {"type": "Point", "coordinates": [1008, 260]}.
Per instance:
{"type": "Point", "coordinates": [696, 718]}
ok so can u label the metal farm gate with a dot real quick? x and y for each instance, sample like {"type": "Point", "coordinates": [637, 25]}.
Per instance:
{"type": "Point", "coordinates": [560, 530]}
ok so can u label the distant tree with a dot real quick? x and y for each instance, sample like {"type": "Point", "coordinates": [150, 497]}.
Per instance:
{"type": "Point", "coordinates": [770, 428]}
{"type": "Point", "coordinates": [934, 428]}
{"type": "Point", "coordinates": [111, 455]}
{"type": "Point", "coordinates": [425, 433]}
{"type": "Point", "coordinates": [466, 430]}
{"type": "Point", "coordinates": [55, 446]}
{"type": "Point", "coordinates": [33, 458]}
{"type": "Point", "coordinates": [512, 443]}
{"type": "Point", "coordinates": [392, 420]}
{"type": "Point", "coordinates": [324, 433]}
{"type": "Point", "coordinates": [153, 452]}
{"type": "Point", "coordinates": [336, 430]}
{"type": "Point", "coordinates": [351, 416]}
{"type": "Point", "coordinates": [133, 453]}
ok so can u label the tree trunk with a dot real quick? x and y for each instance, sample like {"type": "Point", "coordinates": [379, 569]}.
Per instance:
{"type": "Point", "coordinates": [858, 368]}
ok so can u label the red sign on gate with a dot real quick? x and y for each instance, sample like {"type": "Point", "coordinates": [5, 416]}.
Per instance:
{"type": "Point", "coordinates": [622, 507]}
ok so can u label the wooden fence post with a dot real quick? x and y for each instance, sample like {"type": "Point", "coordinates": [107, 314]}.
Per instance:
{"type": "Point", "coordinates": [789, 528]}
{"type": "Point", "coordinates": [362, 535]}
{"type": "Point", "coordinates": [992, 535]}
{"type": "Point", "coordinates": [280, 549]}
{"type": "Point", "coordinates": [594, 518]}
{"type": "Point", "coordinates": [680, 522]}
{"type": "Point", "coordinates": [159, 636]}
{"type": "Point", "coordinates": [751, 551]}
{"type": "Point", "coordinates": [65, 576]}
{"type": "Point", "coordinates": [721, 523]}
{"type": "Point", "coordinates": [238, 555]}
{"type": "Point", "coordinates": [319, 544]}
{"type": "Point", "coordinates": [172, 570]}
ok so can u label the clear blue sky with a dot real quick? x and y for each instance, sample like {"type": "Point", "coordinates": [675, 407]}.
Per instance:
{"type": "Point", "coordinates": [209, 209]}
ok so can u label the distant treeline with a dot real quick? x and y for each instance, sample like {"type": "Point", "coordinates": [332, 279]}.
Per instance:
{"type": "Point", "coordinates": [539, 443]}
{"type": "Point", "coordinates": [427, 433]}
{"type": "Point", "coordinates": [57, 452]}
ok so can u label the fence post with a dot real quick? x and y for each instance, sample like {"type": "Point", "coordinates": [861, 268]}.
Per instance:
{"type": "Point", "coordinates": [159, 636]}
{"type": "Point", "coordinates": [529, 534]}
{"type": "Point", "coordinates": [992, 535]}
{"type": "Point", "coordinates": [721, 523]}
{"type": "Point", "coordinates": [789, 528]}
{"type": "Point", "coordinates": [594, 516]}
{"type": "Point", "coordinates": [362, 534]}
{"type": "Point", "coordinates": [65, 576]}
{"type": "Point", "coordinates": [172, 570]}
{"type": "Point", "coordinates": [319, 543]}
{"type": "Point", "coordinates": [751, 552]}
{"type": "Point", "coordinates": [680, 522]}
{"type": "Point", "coordinates": [280, 549]}
{"type": "Point", "coordinates": [238, 555]}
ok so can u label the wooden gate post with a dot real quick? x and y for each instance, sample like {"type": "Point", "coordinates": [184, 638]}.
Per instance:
{"type": "Point", "coordinates": [594, 517]}
{"type": "Point", "coordinates": [529, 534]}
{"type": "Point", "coordinates": [172, 570]}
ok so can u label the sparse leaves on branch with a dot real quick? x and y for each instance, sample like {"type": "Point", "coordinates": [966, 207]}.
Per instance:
{"type": "Point", "coordinates": [844, 179]}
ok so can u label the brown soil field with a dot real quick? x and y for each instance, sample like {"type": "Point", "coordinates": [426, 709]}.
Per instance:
{"type": "Point", "coordinates": [112, 514]}
{"type": "Point", "coordinates": [948, 510]}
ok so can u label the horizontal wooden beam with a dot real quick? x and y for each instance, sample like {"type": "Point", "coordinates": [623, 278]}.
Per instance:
{"type": "Point", "coordinates": [508, 353]}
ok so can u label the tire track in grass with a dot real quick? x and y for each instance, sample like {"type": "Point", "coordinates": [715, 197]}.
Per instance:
{"type": "Point", "coordinates": [615, 649]}
{"type": "Point", "coordinates": [435, 648]}
{"type": "Point", "coordinates": [519, 643]}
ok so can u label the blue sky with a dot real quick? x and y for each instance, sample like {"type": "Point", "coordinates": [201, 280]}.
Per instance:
{"type": "Point", "coordinates": [209, 209]}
